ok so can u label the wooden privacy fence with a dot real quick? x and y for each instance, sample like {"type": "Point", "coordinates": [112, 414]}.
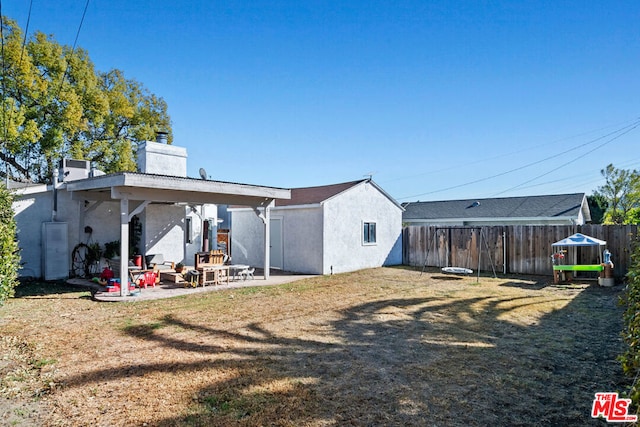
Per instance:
{"type": "Point", "coordinates": [514, 249]}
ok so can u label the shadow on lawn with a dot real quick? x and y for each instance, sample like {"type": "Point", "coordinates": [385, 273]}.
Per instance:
{"type": "Point", "coordinates": [40, 289]}
{"type": "Point", "coordinates": [406, 361]}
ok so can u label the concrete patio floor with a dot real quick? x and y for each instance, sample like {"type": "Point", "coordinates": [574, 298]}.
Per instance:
{"type": "Point", "coordinates": [169, 290]}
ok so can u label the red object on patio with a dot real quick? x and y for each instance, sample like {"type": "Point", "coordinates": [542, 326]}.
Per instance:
{"type": "Point", "coordinates": [137, 260]}
{"type": "Point", "coordinates": [148, 279]}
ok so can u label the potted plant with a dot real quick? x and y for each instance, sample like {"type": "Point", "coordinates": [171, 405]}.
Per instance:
{"type": "Point", "coordinates": [179, 267]}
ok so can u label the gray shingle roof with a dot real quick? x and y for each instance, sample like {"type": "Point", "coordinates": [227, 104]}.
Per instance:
{"type": "Point", "coordinates": [560, 205]}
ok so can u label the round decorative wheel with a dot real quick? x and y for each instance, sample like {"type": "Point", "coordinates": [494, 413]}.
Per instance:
{"type": "Point", "coordinates": [80, 261]}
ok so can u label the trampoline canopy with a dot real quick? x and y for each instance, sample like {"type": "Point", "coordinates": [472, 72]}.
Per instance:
{"type": "Point", "coordinates": [580, 239]}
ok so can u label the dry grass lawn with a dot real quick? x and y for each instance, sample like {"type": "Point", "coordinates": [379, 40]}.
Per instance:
{"type": "Point", "coordinates": [381, 347]}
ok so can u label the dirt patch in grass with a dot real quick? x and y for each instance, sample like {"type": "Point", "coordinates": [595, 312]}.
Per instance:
{"type": "Point", "coordinates": [386, 346]}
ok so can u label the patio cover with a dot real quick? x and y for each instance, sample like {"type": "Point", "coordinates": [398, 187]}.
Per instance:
{"type": "Point", "coordinates": [580, 239]}
{"type": "Point", "coordinates": [142, 189]}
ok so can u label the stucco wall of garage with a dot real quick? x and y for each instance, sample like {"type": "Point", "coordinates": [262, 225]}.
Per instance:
{"type": "Point", "coordinates": [344, 217]}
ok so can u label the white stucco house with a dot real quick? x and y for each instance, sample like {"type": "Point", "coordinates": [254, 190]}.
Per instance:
{"type": "Point", "coordinates": [83, 205]}
{"type": "Point", "coordinates": [323, 230]}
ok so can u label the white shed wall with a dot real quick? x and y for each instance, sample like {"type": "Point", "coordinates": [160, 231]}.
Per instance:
{"type": "Point", "coordinates": [344, 216]}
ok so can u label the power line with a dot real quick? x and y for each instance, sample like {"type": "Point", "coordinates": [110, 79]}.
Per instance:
{"type": "Point", "coordinates": [4, 97]}
{"type": "Point", "coordinates": [622, 131]}
{"type": "Point", "coordinates": [73, 48]}
{"type": "Point", "coordinates": [572, 160]}
{"type": "Point", "coordinates": [4, 91]}
{"type": "Point", "coordinates": [511, 153]}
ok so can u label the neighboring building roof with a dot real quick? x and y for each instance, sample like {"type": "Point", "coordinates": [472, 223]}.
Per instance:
{"type": "Point", "coordinates": [527, 207]}
{"type": "Point", "coordinates": [319, 194]}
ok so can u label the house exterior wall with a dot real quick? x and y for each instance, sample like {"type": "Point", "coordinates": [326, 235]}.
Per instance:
{"type": "Point", "coordinates": [34, 206]}
{"type": "Point", "coordinates": [162, 233]}
{"type": "Point", "coordinates": [302, 231]}
{"type": "Point", "coordinates": [344, 217]}
{"type": "Point", "coordinates": [31, 210]}
{"type": "Point", "coordinates": [301, 238]}
{"type": "Point", "coordinates": [325, 238]}
{"type": "Point", "coordinates": [247, 237]}
{"type": "Point", "coordinates": [163, 228]}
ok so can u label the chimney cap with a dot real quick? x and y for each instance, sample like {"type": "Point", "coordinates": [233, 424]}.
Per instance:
{"type": "Point", "coordinates": [162, 136]}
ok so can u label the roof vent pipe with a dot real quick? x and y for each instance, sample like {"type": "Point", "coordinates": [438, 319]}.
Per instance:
{"type": "Point", "coordinates": [161, 137]}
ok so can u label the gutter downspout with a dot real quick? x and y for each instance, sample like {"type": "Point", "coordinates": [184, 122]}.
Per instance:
{"type": "Point", "coordinates": [54, 210]}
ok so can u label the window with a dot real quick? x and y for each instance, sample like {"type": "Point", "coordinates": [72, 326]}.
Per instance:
{"type": "Point", "coordinates": [369, 233]}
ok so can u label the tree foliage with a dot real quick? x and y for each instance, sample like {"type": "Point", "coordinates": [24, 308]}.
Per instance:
{"type": "Point", "coordinates": [9, 252]}
{"type": "Point", "coordinates": [56, 105]}
{"type": "Point", "coordinates": [622, 194]}
{"type": "Point", "coordinates": [597, 206]}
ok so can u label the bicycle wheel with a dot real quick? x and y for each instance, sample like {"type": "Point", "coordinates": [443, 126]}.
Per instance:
{"type": "Point", "coordinates": [80, 261]}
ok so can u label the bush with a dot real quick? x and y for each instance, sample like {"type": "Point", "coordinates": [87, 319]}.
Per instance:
{"type": "Point", "coordinates": [9, 252]}
{"type": "Point", "coordinates": [631, 333]}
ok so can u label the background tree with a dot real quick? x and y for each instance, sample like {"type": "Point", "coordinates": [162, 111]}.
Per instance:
{"type": "Point", "coordinates": [597, 206]}
{"type": "Point", "coordinates": [56, 105]}
{"type": "Point", "coordinates": [9, 255]}
{"type": "Point", "coordinates": [621, 192]}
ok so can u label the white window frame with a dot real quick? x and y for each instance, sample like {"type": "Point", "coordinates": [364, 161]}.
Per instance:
{"type": "Point", "coordinates": [375, 233]}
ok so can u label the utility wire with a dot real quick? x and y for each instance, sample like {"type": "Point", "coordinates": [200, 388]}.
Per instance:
{"type": "Point", "coordinates": [73, 48]}
{"type": "Point", "coordinates": [485, 159]}
{"type": "Point", "coordinates": [572, 160]}
{"type": "Point", "coordinates": [4, 91]}
{"type": "Point", "coordinates": [624, 129]}
{"type": "Point", "coordinates": [4, 97]}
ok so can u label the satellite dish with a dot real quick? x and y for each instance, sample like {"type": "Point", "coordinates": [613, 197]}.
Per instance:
{"type": "Point", "coordinates": [203, 173]}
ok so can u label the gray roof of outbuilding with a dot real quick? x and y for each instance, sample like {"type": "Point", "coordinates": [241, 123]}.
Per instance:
{"type": "Point", "coordinates": [560, 205]}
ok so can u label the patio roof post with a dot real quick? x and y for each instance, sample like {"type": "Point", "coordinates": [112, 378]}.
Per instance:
{"type": "Point", "coordinates": [267, 241]}
{"type": "Point", "coordinates": [124, 247]}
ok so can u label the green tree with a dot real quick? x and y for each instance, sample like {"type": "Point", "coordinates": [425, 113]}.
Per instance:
{"type": "Point", "coordinates": [56, 105]}
{"type": "Point", "coordinates": [9, 255]}
{"type": "Point", "coordinates": [597, 206]}
{"type": "Point", "coordinates": [621, 192]}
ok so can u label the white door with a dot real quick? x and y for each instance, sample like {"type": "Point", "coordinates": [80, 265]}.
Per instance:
{"type": "Point", "coordinates": [276, 248]}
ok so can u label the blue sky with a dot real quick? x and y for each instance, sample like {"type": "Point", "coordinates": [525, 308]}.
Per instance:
{"type": "Point", "coordinates": [436, 99]}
